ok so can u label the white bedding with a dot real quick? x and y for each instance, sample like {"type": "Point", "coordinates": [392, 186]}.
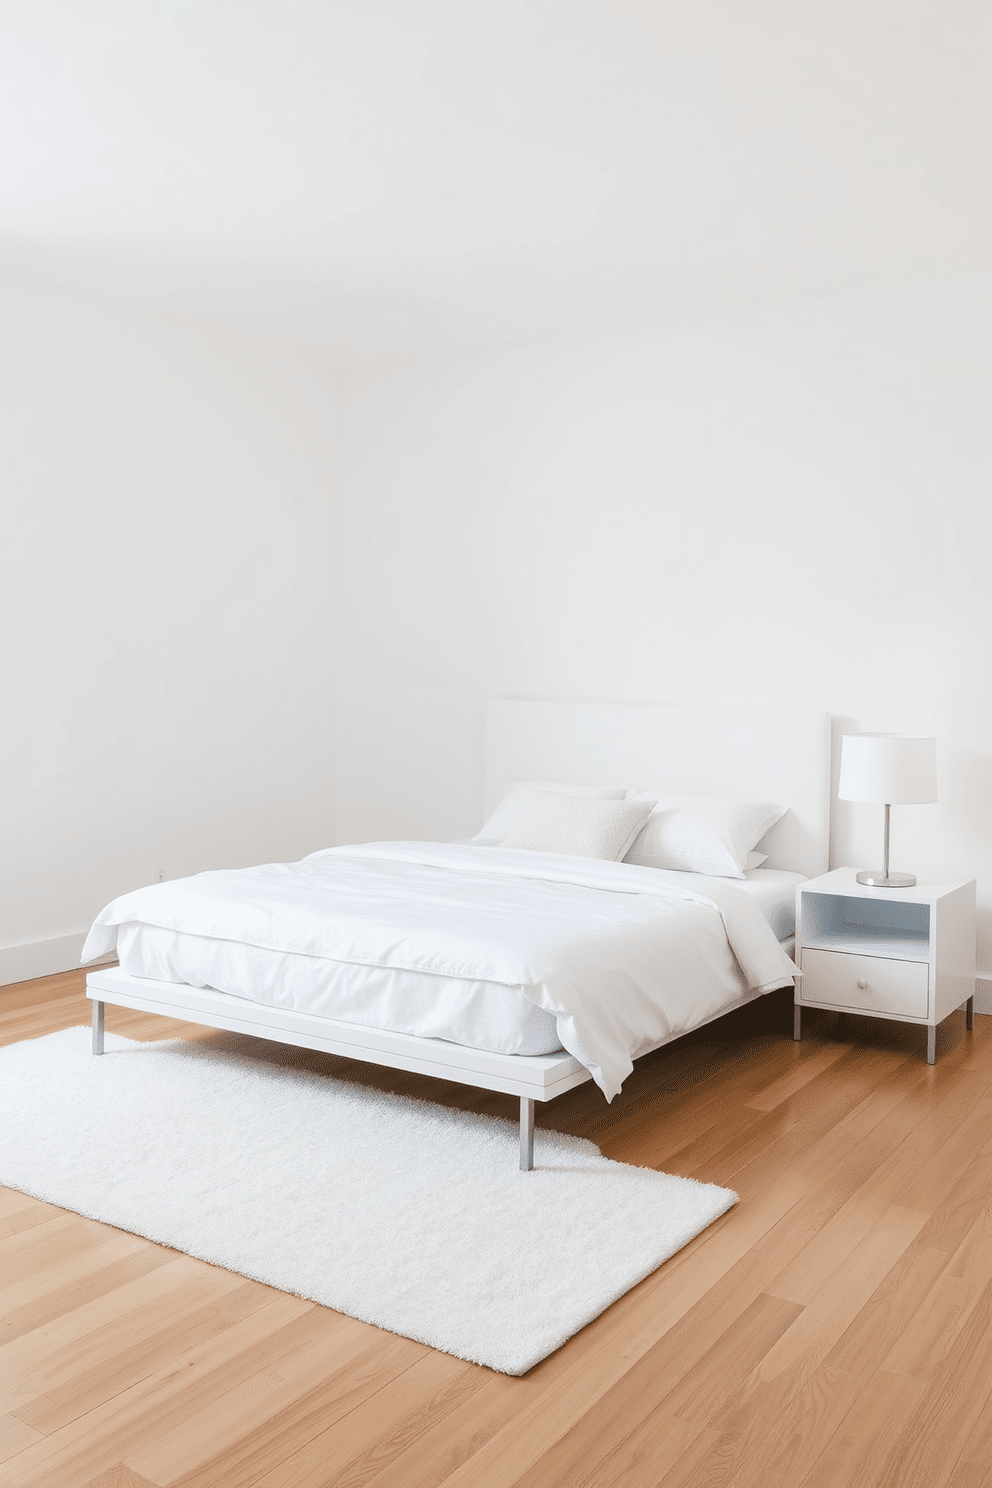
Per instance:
{"type": "Point", "coordinates": [479, 1014]}
{"type": "Point", "coordinates": [772, 889]}
{"type": "Point", "coordinates": [619, 958]}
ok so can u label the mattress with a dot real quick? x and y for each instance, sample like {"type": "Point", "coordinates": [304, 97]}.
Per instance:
{"type": "Point", "coordinates": [479, 1013]}
{"type": "Point", "coordinates": [774, 890]}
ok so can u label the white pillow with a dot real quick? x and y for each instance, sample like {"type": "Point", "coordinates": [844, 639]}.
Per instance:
{"type": "Point", "coordinates": [754, 860]}
{"type": "Point", "coordinates": [582, 826]}
{"type": "Point", "coordinates": [506, 812]}
{"type": "Point", "coordinates": [702, 834]}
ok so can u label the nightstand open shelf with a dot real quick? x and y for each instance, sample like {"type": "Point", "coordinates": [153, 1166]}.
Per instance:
{"type": "Point", "coordinates": [907, 954]}
{"type": "Point", "coordinates": [866, 927]}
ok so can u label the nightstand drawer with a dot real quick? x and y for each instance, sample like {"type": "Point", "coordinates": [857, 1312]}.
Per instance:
{"type": "Point", "coordinates": [897, 987]}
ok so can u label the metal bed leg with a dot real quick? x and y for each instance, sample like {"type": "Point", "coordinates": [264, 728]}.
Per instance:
{"type": "Point", "coordinates": [97, 1027]}
{"type": "Point", "coordinates": [969, 1013]}
{"type": "Point", "coordinates": [526, 1134]}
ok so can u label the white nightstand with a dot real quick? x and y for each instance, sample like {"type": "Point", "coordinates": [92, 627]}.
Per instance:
{"type": "Point", "coordinates": [907, 954]}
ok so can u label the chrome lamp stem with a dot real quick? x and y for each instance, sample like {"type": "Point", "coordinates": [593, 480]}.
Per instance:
{"type": "Point", "coordinates": [885, 879]}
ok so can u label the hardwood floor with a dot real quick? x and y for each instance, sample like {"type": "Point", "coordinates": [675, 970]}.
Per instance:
{"type": "Point", "coordinates": [833, 1330]}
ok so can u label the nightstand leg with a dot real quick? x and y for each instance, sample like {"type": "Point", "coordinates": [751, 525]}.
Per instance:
{"type": "Point", "coordinates": [797, 1022]}
{"type": "Point", "coordinates": [969, 1013]}
{"type": "Point", "coordinates": [931, 1045]}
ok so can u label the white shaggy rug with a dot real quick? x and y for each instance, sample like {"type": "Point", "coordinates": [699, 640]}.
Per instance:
{"type": "Point", "coordinates": [396, 1211]}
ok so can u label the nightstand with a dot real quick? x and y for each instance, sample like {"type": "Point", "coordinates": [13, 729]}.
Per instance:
{"type": "Point", "coordinates": [907, 954]}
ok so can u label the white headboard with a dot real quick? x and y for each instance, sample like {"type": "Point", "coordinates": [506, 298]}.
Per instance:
{"type": "Point", "coordinates": [761, 756]}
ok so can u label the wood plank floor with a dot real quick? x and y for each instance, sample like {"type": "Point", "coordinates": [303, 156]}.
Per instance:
{"type": "Point", "coordinates": [833, 1330]}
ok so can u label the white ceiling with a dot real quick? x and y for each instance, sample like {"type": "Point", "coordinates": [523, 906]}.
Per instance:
{"type": "Point", "coordinates": [377, 178]}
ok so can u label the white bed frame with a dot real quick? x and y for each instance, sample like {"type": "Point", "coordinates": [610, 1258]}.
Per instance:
{"type": "Point", "coordinates": [780, 756]}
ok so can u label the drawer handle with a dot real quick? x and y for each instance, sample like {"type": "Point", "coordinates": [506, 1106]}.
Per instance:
{"type": "Point", "coordinates": [862, 983]}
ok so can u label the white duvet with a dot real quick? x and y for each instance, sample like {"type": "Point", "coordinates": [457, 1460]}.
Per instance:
{"type": "Point", "coordinates": [623, 958]}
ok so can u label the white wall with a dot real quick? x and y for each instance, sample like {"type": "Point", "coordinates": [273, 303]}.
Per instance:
{"type": "Point", "coordinates": [787, 505]}
{"type": "Point", "coordinates": [167, 664]}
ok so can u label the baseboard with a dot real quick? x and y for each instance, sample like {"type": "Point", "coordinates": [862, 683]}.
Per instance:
{"type": "Point", "coordinates": [22, 963]}
{"type": "Point", "coordinates": [983, 994]}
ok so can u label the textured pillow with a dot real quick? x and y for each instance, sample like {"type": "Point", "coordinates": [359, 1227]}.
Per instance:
{"type": "Point", "coordinates": [581, 826]}
{"type": "Point", "coordinates": [506, 812]}
{"type": "Point", "coordinates": [754, 860]}
{"type": "Point", "coordinates": [702, 834]}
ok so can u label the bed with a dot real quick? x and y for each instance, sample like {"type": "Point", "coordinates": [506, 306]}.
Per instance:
{"type": "Point", "coordinates": [206, 959]}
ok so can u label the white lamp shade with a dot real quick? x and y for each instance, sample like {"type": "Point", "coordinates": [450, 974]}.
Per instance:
{"type": "Point", "coordinates": [893, 768]}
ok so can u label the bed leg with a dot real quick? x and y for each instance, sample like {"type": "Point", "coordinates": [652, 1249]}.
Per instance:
{"type": "Point", "coordinates": [97, 1027]}
{"type": "Point", "coordinates": [526, 1134]}
{"type": "Point", "coordinates": [969, 1014]}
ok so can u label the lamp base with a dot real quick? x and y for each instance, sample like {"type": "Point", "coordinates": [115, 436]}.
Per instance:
{"type": "Point", "coordinates": [879, 880]}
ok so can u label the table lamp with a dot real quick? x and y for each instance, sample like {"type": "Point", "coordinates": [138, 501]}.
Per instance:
{"type": "Point", "coordinates": [891, 769]}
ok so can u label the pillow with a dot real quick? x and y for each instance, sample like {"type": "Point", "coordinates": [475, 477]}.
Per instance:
{"type": "Point", "coordinates": [506, 812]}
{"type": "Point", "coordinates": [703, 834]}
{"type": "Point", "coordinates": [754, 860]}
{"type": "Point", "coordinates": [582, 826]}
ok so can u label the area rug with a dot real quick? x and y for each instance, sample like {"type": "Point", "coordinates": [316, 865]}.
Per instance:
{"type": "Point", "coordinates": [396, 1211]}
